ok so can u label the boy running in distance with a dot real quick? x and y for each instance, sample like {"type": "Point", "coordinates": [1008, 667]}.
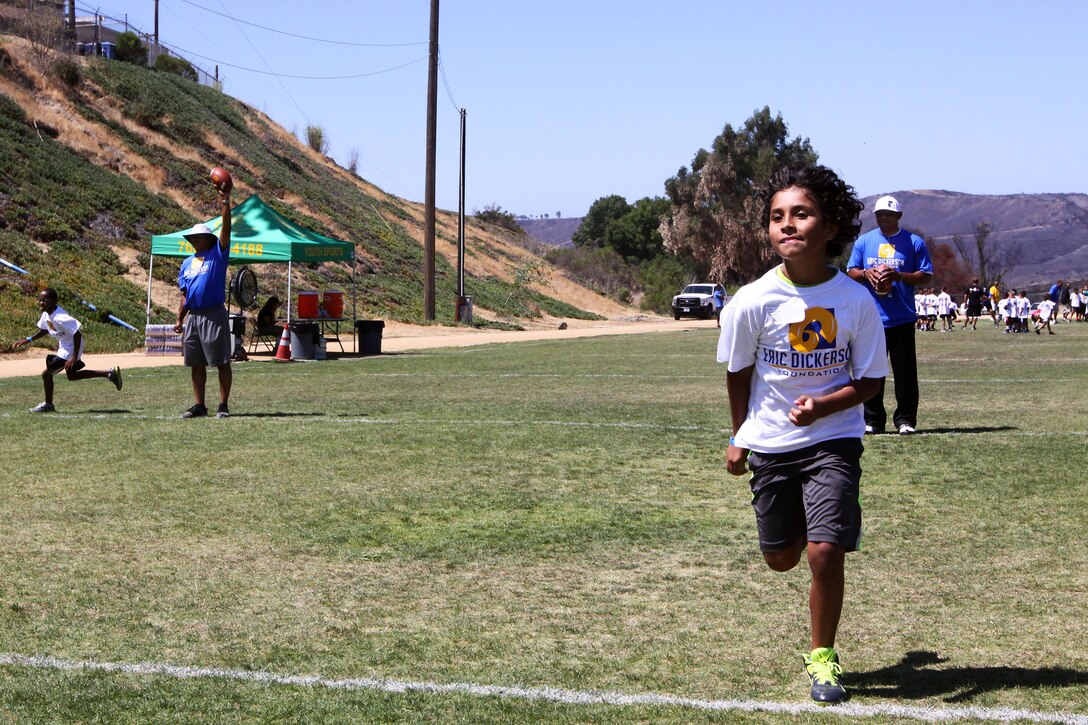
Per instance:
{"type": "Point", "coordinates": [805, 348]}
{"type": "Point", "coordinates": [58, 323]}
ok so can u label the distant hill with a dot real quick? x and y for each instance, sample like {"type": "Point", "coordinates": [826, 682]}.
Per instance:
{"type": "Point", "coordinates": [555, 232]}
{"type": "Point", "coordinates": [96, 156]}
{"type": "Point", "coordinates": [1050, 231]}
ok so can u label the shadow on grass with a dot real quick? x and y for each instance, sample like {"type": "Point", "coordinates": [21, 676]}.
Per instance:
{"type": "Point", "coordinates": [913, 677]}
{"type": "Point", "coordinates": [959, 431]}
{"type": "Point", "coordinates": [971, 429]}
{"type": "Point", "coordinates": [111, 411]}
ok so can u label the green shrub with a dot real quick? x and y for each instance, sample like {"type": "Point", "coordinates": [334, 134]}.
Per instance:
{"type": "Point", "coordinates": [662, 278]}
{"type": "Point", "coordinates": [493, 214]}
{"type": "Point", "coordinates": [316, 139]}
{"type": "Point", "coordinates": [68, 72]}
{"type": "Point", "coordinates": [11, 109]}
{"type": "Point", "coordinates": [130, 49]}
{"type": "Point", "coordinates": [599, 268]}
{"type": "Point", "coordinates": [178, 66]}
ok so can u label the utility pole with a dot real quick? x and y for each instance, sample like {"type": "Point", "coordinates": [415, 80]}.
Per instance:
{"type": "Point", "coordinates": [72, 24]}
{"type": "Point", "coordinates": [432, 136]}
{"type": "Point", "coordinates": [156, 22]}
{"type": "Point", "coordinates": [464, 303]}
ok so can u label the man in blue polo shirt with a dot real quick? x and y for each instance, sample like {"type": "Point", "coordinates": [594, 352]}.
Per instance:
{"type": "Point", "coordinates": [202, 280]}
{"type": "Point", "coordinates": [891, 262]}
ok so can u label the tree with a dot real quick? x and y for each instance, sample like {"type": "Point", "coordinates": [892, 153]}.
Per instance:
{"type": "Point", "coordinates": [948, 271]}
{"type": "Point", "coordinates": [716, 209]}
{"type": "Point", "coordinates": [636, 235]}
{"type": "Point", "coordinates": [990, 261]}
{"type": "Point", "coordinates": [603, 212]}
{"type": "Point", "coordinates": [130, 49]}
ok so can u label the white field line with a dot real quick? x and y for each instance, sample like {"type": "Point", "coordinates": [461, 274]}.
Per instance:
{"type": "Point", "coordinates": [548, 694]}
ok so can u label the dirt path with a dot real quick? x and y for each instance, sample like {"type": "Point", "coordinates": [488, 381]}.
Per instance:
{"type": "Point", "coordinates": [396, 337]}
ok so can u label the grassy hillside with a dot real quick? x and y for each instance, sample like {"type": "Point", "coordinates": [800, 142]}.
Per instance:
{"type": "Point", "coordinates": [97, 163]}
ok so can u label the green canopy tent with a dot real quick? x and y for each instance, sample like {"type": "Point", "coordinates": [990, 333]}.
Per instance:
{"type": "Point", "coordinates": [261, 234]}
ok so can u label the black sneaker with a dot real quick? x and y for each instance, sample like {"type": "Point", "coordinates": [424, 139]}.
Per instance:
{"type": "Point", "coordinates": [222, 411]}
{"type": "Point", "coordinates": [115, 377]}
{"type": "Point", "coordinates": [197, 411]}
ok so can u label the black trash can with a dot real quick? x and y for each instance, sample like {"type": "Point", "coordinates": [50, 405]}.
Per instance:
{"type": "Point", "coordinates": [369, 333]}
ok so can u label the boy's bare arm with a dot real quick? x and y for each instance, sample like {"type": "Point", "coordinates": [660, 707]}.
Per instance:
{"type": "Point", "coordinates": [739, 387]}
{"type": "Point", "coordinates": [807, 410]}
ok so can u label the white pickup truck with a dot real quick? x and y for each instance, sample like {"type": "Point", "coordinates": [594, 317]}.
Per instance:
{"type": "Point", "coordinates": [697, 300]}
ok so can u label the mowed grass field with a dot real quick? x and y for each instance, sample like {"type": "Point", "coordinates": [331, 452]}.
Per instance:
{"type": "Point", "coordinates": [536, 515]}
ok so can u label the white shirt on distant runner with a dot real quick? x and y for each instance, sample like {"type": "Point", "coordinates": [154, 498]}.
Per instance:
{"type": "Point", "coordinates": [1046, 309]}
{"type": "Point", "coordinates": [64, 327]}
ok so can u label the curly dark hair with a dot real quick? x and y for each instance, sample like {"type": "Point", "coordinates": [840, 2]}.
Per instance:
{"type": "Point", "coordinates": [836, 199]}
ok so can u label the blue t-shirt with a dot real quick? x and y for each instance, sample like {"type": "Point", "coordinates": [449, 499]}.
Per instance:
{"type": "Point", "coordinates": [203, 280]}
{"type": "Point", "coordinates": [902, 251]}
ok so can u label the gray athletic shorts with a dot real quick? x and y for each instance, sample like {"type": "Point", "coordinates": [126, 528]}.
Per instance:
{"type": "Point", "coordinates": [207, 338]}
{"type": "Point", "coordinates": [810, 494]}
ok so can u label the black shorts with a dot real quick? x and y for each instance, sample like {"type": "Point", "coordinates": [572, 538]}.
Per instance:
{"type": "Point", "coordinates": [55, 364]}
{"type": "Point", "coordinates": [812, 494]}
{"type": "Point", "coordinates": [974, 310]}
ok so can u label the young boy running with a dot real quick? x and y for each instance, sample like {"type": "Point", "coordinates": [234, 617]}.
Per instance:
{"type": "Point", "coordinates": [1046, 313]}
{"type": "Point", "coordinates": [58, 323]}
{"type": "Point", "coordinates": [805, 348]}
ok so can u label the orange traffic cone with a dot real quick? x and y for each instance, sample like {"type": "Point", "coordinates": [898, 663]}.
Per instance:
{"type": "Point", "coordinates": [283, 350]}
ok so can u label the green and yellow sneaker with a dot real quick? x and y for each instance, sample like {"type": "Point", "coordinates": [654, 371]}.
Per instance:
{"type": "Point", "coordinates": [824, 670]}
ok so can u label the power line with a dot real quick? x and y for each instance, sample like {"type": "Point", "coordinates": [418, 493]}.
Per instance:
{"type": "Point", "coordinates": [288, 75]}
{"type": "Point", "coordinates": [446, 84]}
{"type": "Point", "coordinates": [303, 37]}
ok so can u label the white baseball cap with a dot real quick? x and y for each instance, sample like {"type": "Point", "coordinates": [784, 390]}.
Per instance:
{"type": "Point", "coordinates": [199, 230]}
{"type": "Point", "coordinates": [886, 203]}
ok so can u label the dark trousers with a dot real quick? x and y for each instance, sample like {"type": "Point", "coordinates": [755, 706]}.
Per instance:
{"type": "Point", "coordinates": [904, 365]}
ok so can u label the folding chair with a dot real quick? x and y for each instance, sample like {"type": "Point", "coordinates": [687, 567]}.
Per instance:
{"type": "Point", "coordinates": [257, 338]}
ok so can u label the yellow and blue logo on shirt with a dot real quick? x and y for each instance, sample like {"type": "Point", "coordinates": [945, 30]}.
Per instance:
{"type": "Point", "coordinates": [817, 331]}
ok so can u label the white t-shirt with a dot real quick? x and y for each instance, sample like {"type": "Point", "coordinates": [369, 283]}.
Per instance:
{"type": "Point", "coordinates": [1074, 299]}
{"type": "Point", "coordinates": [62, 326]}
{"type": "Point", "coordinates": [1046, 307]}
{"type": "Point", "coordinates": [931, 304]}
{"type": "Point", "coordinates": [1005, 307]}
{"type": "Point", "coordinates": [944, 303]}
{"type": "Point", "coordinates": [811, 340]}
{"type": "Point", "coordinates": [1023, 307]}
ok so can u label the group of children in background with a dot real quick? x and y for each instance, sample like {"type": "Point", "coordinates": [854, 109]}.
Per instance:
{"type": "Point", "coordinates": [1015, 309]}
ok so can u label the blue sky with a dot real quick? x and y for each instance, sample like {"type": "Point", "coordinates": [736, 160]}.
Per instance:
{"type": "Point", "coordinates": [569, 101]}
